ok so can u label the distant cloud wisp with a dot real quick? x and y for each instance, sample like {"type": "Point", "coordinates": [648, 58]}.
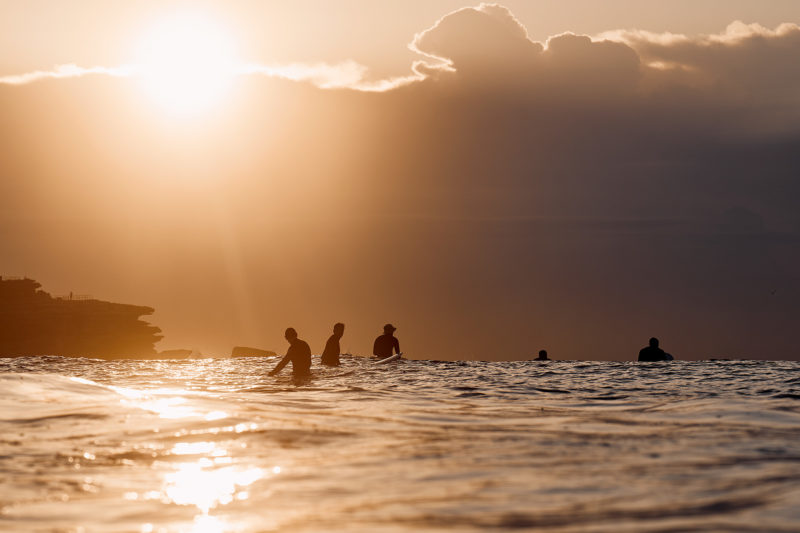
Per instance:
{"type": "Point", "coordinates": [65, 71]}
{"type": "Point", "coordinates": [345, 75]}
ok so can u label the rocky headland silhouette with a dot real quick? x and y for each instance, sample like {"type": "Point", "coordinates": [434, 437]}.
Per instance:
{"type": "Point", "coordinates": [33, 322]}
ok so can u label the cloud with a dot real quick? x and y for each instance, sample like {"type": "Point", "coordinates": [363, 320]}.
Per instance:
{"type": "Point", "coordinates": [345, 75]}
{"type": "Point", "coordinates": [746, 59]}
{"type": "Point", "coordinates": [483, 37]}
{"type": "Point", "coordinates": [488, 44]}
{"type": "Point", "coordinates": [744, 81]}
{"type": "Point", "coordinates": [64, 71]}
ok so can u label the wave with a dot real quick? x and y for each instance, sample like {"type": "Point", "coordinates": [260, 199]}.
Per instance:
{"type": "Point", "coordinates": [39, 397]}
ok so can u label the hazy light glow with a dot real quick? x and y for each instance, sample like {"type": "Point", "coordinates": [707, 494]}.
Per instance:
{"type": "Point", "coordinates": [187, 63]}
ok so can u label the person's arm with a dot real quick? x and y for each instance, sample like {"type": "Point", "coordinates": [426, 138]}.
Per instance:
{"type": "Point", "coordinates": [375, 347]}
{"type": "Point", "coordinates": [396, 345]}
{"type": "Point", "coordinates": [283, 363]}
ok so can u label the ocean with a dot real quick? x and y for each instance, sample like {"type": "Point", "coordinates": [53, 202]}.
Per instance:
{"type": "Point", "coordinates": [214, 445]}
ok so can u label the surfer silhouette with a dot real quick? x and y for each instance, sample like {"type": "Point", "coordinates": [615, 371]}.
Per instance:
{"type": "Point", "coordinates": [299, 354]}
{"type": "Point", "coordinates": [653, 352]}
{"type": "Point", "coordinates": [542, 356]}
{"type": "Point", "coordinates": [386, 343]}
{"type": "Point", "coordinates": [330, 355]}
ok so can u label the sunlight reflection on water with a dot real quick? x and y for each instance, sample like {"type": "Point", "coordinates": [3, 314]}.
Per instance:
{"type": "Point", "coordinates": [203, 483]}
{"type": "Point", "coordinates": [204, 523]}
{"type": "Point", "coordinates": [198, 485]}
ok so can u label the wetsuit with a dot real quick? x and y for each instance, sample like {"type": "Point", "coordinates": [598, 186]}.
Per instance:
{"type": "Point", "coordinates": [652, 353]}
{"type": "Point", "coordinates": [300, 356]}
{"type": "Point", "coordinates": [330, 355]}
{"type": "Point", "coordinates": [384, 345]}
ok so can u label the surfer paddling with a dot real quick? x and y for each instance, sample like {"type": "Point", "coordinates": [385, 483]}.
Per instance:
{"type": "Point", "coordinates": [299, 354]}
{"type": "Point", "coordinates": [386, 343]}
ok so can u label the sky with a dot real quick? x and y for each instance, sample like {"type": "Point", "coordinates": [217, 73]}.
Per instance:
{"type": "Point", "coordinates": [574, 176]}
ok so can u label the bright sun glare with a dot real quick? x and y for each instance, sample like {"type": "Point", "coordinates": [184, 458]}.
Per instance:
{"type": "Point", "coordinates": [187, 63]}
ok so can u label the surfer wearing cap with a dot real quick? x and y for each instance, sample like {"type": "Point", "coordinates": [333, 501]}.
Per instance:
{"type": "Point", "coordinates": [653, 353]}
{"type": "Point", "coordinates": [386, 343]}
{"type": "Point", "coordinates": [330, 355]}
{"type": "Point", "coordinates": [299, 354]}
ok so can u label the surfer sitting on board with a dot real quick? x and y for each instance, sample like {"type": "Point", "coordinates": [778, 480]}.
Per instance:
{"type": "Point", "coordinates": [653, 352]}
{"type": "Point", "coordinates": [299, 354]}
{"type": "Point", "coordinates": [330, 355]}
{"type": "Point", "coordinates": [386, 343]}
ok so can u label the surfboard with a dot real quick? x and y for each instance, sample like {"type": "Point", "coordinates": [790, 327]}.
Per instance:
{"type": "Point", "coordinates": [389, 359]}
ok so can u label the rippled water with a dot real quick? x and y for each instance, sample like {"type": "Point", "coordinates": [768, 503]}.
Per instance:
{"type": "Point", "coordinates": [215, 445]}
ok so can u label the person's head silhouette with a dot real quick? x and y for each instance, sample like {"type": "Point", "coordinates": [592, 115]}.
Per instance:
{"type": "Point", "coordinates": [542, 354]}
{"type": "Point", "coordinates": [338, 329]}
{"type": "Point", "coordinates": [654, 342]}
{"type": "Point", "coordinates": [388, 329]}
{"type": "Point", "coordinates": [290, 334]}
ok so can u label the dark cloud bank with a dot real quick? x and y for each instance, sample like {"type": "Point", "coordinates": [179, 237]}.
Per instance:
{"type": "Point", "coordinates": [579, 195]}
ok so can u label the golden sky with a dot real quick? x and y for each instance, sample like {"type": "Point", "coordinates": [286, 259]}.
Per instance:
{"type": "Point", "coordinates": [576, 176]}
{"type": "Point", "coordinates": [37, 34]}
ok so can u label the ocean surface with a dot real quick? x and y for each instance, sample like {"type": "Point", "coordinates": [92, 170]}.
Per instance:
{"type": "Point", "coordinates": [215, 445]}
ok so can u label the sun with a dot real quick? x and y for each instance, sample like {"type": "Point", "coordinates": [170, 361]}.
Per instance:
{"type": "Point", "coordinates": [187, 63]}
